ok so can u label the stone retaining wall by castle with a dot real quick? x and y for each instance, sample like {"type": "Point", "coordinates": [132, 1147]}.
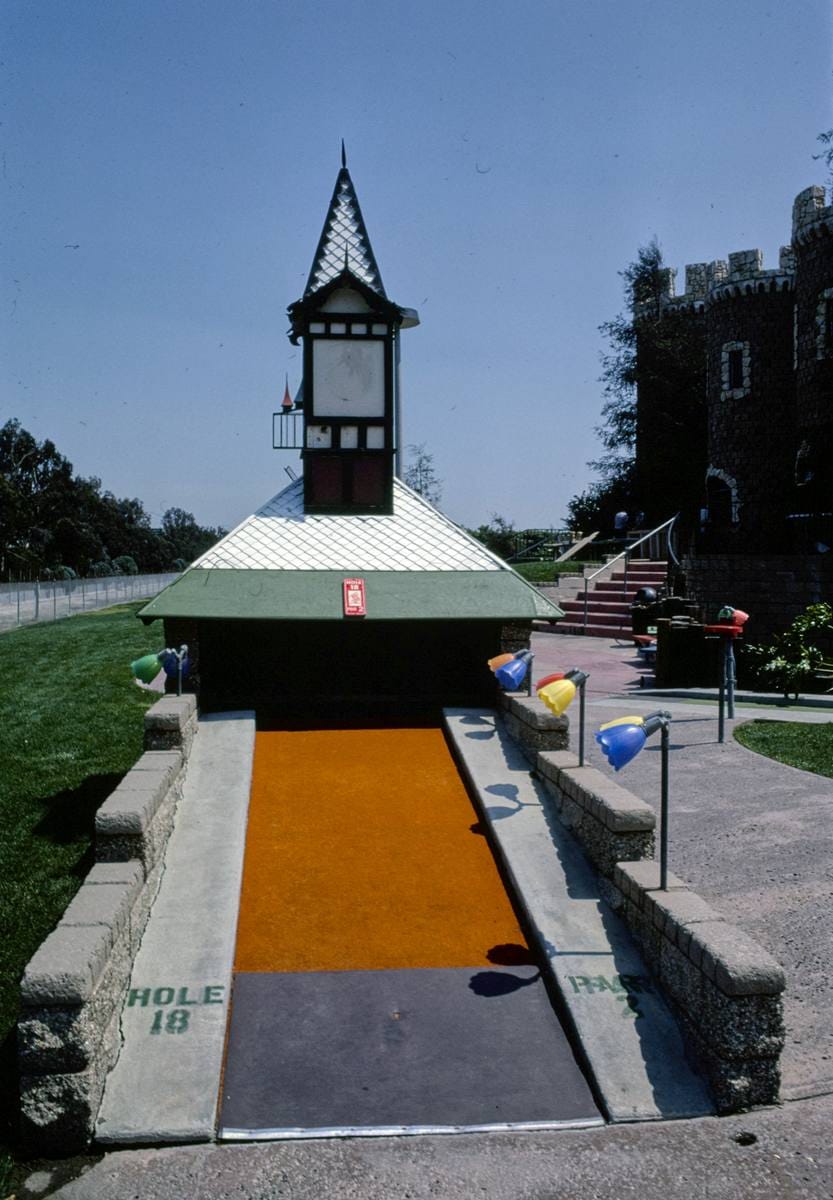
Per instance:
{"type": "Point", "coordinates": [773, 589]}
{"type": "Point", "coordinates": [73, 988]}
{"type": "Point", "coordinates": [725, 989]}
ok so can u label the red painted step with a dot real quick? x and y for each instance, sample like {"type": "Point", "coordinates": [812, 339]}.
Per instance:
{"type": "Point", "coordinates": [609, 601]}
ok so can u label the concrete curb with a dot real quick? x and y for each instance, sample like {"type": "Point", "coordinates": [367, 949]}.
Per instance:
{"type": "Point", "coordinates": [774, 699]}
{"type": "Point", "coordinates": [623, 1026]}
{"type": "Point", "coordinates": [173, 1022]}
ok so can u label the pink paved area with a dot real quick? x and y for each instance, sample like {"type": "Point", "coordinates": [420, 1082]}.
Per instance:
{"type": "Point", "coordinates": [614, 667]}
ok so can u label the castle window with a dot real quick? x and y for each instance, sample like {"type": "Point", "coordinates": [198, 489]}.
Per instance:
{"type": "Point", "coordinates": [721, 499]}
{"type": "Point", "coordinates": [824, 324]}
{"type": "Point", "coordinates": [807, 464]}
{"type": "Point", "coordinates": [735, 370]}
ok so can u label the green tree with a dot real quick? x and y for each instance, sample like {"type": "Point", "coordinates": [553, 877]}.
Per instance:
{"type": "Point", "coordinates": [595, 508]}
{"type": "Point", "coordinates": [654, 410]}
{"type": "Point", "coordinates": [125, 564]}
{"type": "Point", "coordinates": [50, 518]}
{"type": "Point", "coordinates": [500, 536]}
{"type": "Point", "coordinates": [643, 281]}
{"type": "Point", "coordinates": [185, 537]}
{"type": "Point", "coordinates": [36, 491]}
{"type": "Point", "coordinates": [421, 476]}
{"type": "Point", "coordinates": [77, 542]}
{"type": "Point", "coordinates": [826, 155]}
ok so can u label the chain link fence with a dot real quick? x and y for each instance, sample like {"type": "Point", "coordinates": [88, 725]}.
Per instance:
{"type": "Point", "coordinates": [25, 603]}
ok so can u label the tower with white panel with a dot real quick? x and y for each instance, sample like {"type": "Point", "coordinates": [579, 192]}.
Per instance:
{"type": "Point", "coordinates": [350, 332]}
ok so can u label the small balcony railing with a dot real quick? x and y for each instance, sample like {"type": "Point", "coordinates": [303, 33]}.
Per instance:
{"type": "Point", "coordinates": [288, 430]}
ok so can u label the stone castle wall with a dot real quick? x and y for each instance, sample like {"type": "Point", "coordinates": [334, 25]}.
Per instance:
{"type": "Point", "coordinates": [766, 491]}
{"type": "Point", "coordinates": [773, 589]}
{"type": "Point", "coordinates": [751, 437]}
{"type": "Point", "coordinates": [813, 243]}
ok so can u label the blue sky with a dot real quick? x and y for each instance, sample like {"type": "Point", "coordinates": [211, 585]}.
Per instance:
{"type": "Point", "coordinates": [166, 169]}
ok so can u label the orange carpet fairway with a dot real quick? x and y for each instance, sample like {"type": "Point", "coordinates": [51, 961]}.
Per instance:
{"type": "Point", "coordinates": [360, 856]}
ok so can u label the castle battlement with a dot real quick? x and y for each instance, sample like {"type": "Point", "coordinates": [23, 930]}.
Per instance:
{"type": "Point", "coordinates": [693, 298]}
{"type": "Point", "coordinates": [811, 218]}
{"type": "Point", "coordinates": [743, 274]}
{"type": "Point", "coordinates": [696, 291]}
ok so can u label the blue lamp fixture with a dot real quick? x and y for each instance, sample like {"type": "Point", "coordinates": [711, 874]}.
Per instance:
{"type": "Point", "coordinates": [511, 675]}
{"type": "Point", "coordinates": [620, 744]}
{"type": "Point", "coordinates": [176, 662]}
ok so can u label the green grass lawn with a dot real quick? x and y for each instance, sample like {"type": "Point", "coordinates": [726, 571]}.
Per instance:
{"type": "Point", "coordinates": [545, 572]}
{"type": "Point", "coordinates": [70, 727]}
{"type": "Point", "coordinates": [796, 743]}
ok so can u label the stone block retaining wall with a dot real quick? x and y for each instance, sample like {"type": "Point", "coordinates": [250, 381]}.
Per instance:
{"type": "Point", "coordinates": [532, 726]}
{"type": "Point", "coordinates": [773, 589]}
{"type": "Point", "coordinates": [73, 988]}
{"type": "Point", "coordinates": [725, 988]}
{"type": "Point", "coordinates": [611, 823]}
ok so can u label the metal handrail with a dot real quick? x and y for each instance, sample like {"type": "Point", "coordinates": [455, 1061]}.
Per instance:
{"type": "Point", "coordinates": [557, 537]}
{"type": "Point", "coordinates": [666, 525]}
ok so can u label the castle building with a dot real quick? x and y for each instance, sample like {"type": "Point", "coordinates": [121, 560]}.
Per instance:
{"type": "Point", "coordinates": [758, 531]}
{"type": "Point", "coordinates": [347, 588]}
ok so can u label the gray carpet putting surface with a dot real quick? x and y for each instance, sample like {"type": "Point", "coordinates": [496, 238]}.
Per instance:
{"type": "Point", "coordinates": [397, 1050]}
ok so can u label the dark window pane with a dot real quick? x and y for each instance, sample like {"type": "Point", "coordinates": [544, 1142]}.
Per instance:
{"type": "Point", "coordinates": [719, 502]}
{"type": "Point", "coordinates": [735, 368]}
{"type": "Point", "coordinates": [326, 480]}
{"type": "Point", "coordinates": [368, 481]}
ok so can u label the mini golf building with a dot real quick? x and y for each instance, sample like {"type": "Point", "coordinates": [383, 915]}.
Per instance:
{"type": "Point", "coordinates": [346, 587]}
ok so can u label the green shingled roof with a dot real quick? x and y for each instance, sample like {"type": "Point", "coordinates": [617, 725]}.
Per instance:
{"type": "Point", "coordinates": [317, 595]}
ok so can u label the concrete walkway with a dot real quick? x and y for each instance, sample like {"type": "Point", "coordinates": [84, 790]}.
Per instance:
{"type": "Point", "coordinates": [774, 1154]}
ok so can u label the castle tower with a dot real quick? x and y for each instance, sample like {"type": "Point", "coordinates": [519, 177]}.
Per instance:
{"type": "Point", "coordinates": [751, 403]}
{"type": "Point", "coordinates": [670, 351]}
{"type": "Point", "coordinates": [813, 331]}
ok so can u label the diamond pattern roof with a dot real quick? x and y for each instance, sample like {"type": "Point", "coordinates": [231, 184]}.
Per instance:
{"type": "Point", "coordinates": [344, 241]}
{"type": "Point", "coordinates": [415, 537]}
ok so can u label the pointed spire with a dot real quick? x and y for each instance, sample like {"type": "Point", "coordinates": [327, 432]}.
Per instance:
{"type": "Point", "coordinates": [286, 403]}
{"type": "Point", "coordinates": [344, 239]}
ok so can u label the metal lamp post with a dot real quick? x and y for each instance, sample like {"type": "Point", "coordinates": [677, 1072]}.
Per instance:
{"type": "Point", "coordinates": [620, 743]}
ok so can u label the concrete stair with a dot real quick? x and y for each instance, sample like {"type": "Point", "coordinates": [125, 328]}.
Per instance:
{"type": "Point", "coordinates": [609, 601]}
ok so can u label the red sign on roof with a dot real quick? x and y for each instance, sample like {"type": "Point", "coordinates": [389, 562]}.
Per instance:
{"type": "Point", "coordinates": [355, 604]}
